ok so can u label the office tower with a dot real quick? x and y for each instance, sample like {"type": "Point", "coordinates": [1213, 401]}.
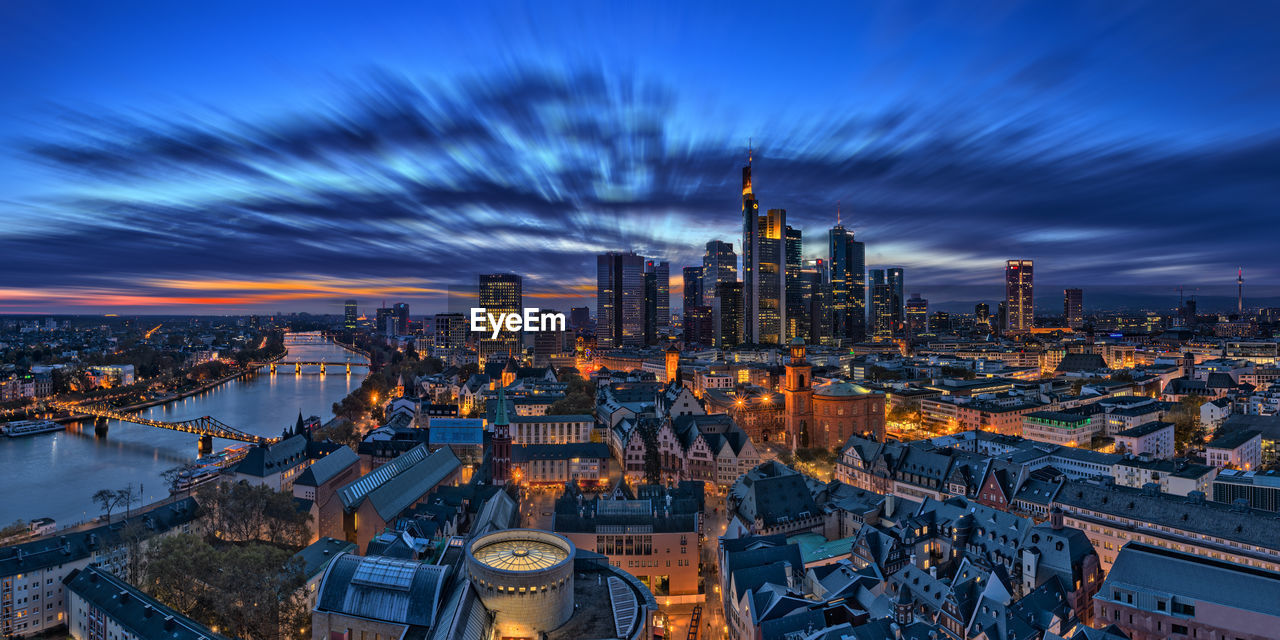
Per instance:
{"type": "Point", "coordinates": [620, 300]}
{"type": "Point", "coordinates": [798, 290]}
{"type": "Point", "coordinates": [1018, 295]}
{"type": "Point", "coordinates": [917, 315]}
{"type": "Point", "coordinates": [1073, 308]}
{"type": "Point", "coordinates": [658, 305]}
{"type": "Point", "coordinates": [719, 264]}
{"type": "Point", "coordinates": [579, 317]}
{"type": "Point", "coordinates": [1240, 292]}
{"type": "Point", "coordinates": [451, 330]}
{"type": "Point", "coordinates": [692, 288]}
{"type": "Point", "coordinates": [1002, 317]}
{"type": "Point", "coordinates": [547, 343]}
{"type": "Point", "coordinates": [726, 312]}
{"type": "Point", "coordinates": [650, 306]}
{"type": "Point", "coordinates": [893, 278]}
{"type": "Point", "coordinates": [881, 303]}
{"type": "Point", "coordinates": [941, 322]}
{"type": "Point", "coordinates": [384, 321]}
{"type": "Point", "coordinates": [349, 314]}
{"type": "Point", "coordinates": [763, 268]}
{"type": "Point", "coordinates": [401, 312]}
{"type": "Point", "coordinates": [818, 286]}
{"type": "Point", "coordinates": [699, 326]}
{"type": "Point", "coordinates": [501, 293]}
{"type": "Point", "coordinates": [848, 281]}
{"type": "Point", "coordinates": [982, 312]}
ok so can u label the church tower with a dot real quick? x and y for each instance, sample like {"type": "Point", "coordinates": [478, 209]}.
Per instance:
{"type": "Point", "coordinates": [797, 391]}
{"type": "Point", "coordinates": [673, 363]}
{"type": "Point", "coordinates": [501, 442]}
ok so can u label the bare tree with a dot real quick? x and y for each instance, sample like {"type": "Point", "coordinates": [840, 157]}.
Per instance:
{"type": "Point", "coordinates": [106, 500]}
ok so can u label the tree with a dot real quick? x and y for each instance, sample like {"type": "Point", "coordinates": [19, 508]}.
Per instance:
{"type": "Point", "coordinates": [1188, 433]}
{"type": "Point", "coordinates": [126, 497]}
{"type": "Point", "coordinates": [106, 500]}
{"type": "Point", "coordinates": [241, 512]}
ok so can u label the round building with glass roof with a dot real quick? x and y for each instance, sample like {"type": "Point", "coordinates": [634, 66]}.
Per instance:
{"type": "Point", "coordinates": [525, 577]}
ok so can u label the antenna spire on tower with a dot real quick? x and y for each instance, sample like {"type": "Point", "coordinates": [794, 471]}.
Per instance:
{"type": "Point", "coordinates": [837, 213]}
{"type": "Point", "coordinates": [750, 150]}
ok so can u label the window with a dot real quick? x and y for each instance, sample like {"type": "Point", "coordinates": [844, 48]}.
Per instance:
{"type": "Point", "coordinates": [1179, 628]}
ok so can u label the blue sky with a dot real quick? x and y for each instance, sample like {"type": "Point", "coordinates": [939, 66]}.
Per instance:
{"type": "Point", "coordinates": [229, 157]}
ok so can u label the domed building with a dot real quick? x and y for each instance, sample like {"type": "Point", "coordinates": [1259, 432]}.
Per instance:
{"type": "Point", "coordinates": [826, 415]}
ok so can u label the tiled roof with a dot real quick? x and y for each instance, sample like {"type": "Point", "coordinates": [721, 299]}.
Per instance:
{"type": "Point", "coordinates": [138, 613]}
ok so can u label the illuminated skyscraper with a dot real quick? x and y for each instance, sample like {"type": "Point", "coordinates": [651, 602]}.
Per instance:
{"type": "Point", "coordinates": [620, 300]}
{"type": "Point", "coordinates": [692, 288]}
{"type": "Point", "coordinates": [719, 264]}
{"type": "Point", "coordinates": [848, 287]}
{"type": "Point", "coordinates": [982, 312]}
{"type": "Point", "coordinates": [1073, 308]}
{"type": "Point", "coordinates": [349, 315]}
{"type": "Point", "coordinates": [385, 320]}
{"type": "Point", "coordinates": [894, 278]}
{"type": "Point", "coordinates": [798, 290]}
{"type": "Point", "coordinates": [917, 315]}
{"type": "Point", "coordinates": [764, 278]}
{"type": "Point", "coordinates": [501, 293]}
{"type": "Point", "coordinates": [451, 330]}
{"type": "Point", "coordinates": [816, 276]}
{"type": "Point", "coordinates": [699, 326]}
{"type": "Point", "coordinates": [658, 301]}
{"type": "Point", "coordinates": [401, 313]}
{"type": "Point", "coordinates": [881, 304]}
{"type": "Point", "coordinates": [1018, 295]}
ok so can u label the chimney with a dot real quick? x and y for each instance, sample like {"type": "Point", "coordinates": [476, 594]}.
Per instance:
{"type": "Point", "coordinates": [1055, 518]}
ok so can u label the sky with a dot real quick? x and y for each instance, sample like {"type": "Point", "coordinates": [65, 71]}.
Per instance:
{"type": "Point", "coordinates": [259, 157]}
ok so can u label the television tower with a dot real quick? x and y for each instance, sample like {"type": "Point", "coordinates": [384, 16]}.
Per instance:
{"type": "Point", "coordinates": [1240, 291]}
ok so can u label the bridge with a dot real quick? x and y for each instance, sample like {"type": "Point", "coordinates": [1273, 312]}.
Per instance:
{"type": "Point", "coordinates": [207, 427]}
{"type": "Point", "coordinates": [299, 364]}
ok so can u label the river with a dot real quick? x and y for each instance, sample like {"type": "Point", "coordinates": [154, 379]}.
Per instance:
{"type": "Point", "coordinates": [55, 474]}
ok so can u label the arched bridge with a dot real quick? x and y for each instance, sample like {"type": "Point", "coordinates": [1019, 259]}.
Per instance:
{"type": "Point", "coordinates": [207, 427]}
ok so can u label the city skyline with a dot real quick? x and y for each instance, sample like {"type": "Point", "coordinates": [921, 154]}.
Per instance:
{"type": "Point", "coordinates": [216, 183]}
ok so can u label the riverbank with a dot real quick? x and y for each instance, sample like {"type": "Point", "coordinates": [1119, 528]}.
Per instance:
{"type": "Point", "coordinates": [170, 398]}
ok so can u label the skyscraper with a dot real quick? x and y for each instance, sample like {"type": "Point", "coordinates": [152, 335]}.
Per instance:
{"type": "Point", "coordinates": [692, 288]}
{"type": "Point", "coordinates": [384, 320]}
{"type": "Point", "coordinates": [726, 312]}
{"type": "Point", "coordinates": [650, 305]}
{"type": "Point", "coordinates": [547, 343]}
{"type": "Point", "coordinates": [579, 317]}
{"type": "Point", "coordinates": [719, 264]}
{"type": "Point", "coordinates": [881, 303]}
{"type": "Point", "coordinates": [763, 268]}
{"type": "Point", "coordinates": [451, 330]}
{"type": "Point", "coordinates": [660, 272]}
{"type": "Point", "coordinates": [1002, 317]}
{"type": "Point", "coordinates": [349, 314]}
{"type": "Point", "coordinates": [818, 286]}
{"type": "Point", "coordinates": [798, 290]}
{"type": "Point", "coordinates": [501, 293]}
{"type": "Point", "coordinates": [1073, 308]}
{"type": "Point", "coordinates": [982, 312]}
{"type": "Point", "coordinates": [1018, 295]}
{"type": "Point", "coordinates": [620, 300]}
{"type": "Point", "coordinates": [401, 313]}
{"type": "Point", "coordinates": [893, 278]}
{"type": "Point", "coordinates": [848, 287]}
{"type": "Point", "coordinates": [699, 326]}
{"type": "Point", "coordinates": [917, 315]}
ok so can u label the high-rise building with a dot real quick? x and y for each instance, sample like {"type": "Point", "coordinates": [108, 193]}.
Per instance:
{"type": "Point", "coordinates": [894, 278]}
{"type": "Point", "coordinates": [547, 343]}
{"type": "Point", "coordinates": [941, 322]}
{"type": "Point", "coordinates": [798, 290]}
{"type": "Point", "coordinates": [719, 264]}
{"type": "Point", "coordinates": [848, 287]}
{"type": "Point", "coordinates": [620, 300]}
{"type": "Point", "coordinates": [692, 288]}
{"type": "Point", "coordinates": [763, 268]}
{"type": "Point", "coordinates": [818, 287]}
{"type": "Point", "coordinates": [349, 315]}
{"type": "Point", "coordinates": [982, 312]}
{"type": "Point", "coordinates": [726, 314]}
{"type": "Point", "coordinates": [385, 320]}
{"type": "Point", "coordinates": [501, 293]}
{"type": "Point", "coordinates": [699, 327]}
{"type": "Point", "coordinates": [881, 303]}
{"type": "Point", "coordinates": [1073, 308]}
{"type": "Point", "coordinates": [401, 312]}
{"type": "Point", "coordinates": [657, 306]}
{"type": "Point", "coordinates": [451, 330]}
{"type": "Point", "coordinates": [1019, 295]}
{"type": "Point", "coordinates": [1002, 317]}
{"type": "Point", "coordinates": [917, 315]}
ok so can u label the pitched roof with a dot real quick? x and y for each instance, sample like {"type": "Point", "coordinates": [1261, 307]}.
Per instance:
{"type": "Point", "coordinates": [266, 459]}
{"type": "Point", "coordinates": [379, 588]}
{"type": "Point", "coordinates": [141, 615]}
{"type": "Point", "coordinates": [324, 469]}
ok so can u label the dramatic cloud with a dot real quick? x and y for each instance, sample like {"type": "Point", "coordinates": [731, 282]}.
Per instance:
{"type": "Point", "coordinates": [399, 188]}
